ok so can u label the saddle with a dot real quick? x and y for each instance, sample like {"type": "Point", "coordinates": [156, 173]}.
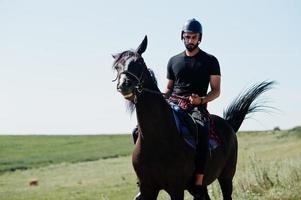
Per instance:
{"type": "Point", "coordinates": [189, 130]}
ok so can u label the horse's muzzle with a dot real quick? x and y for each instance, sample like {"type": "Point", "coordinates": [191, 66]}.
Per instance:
{"type": "Point", "coordinates": [126, 88]}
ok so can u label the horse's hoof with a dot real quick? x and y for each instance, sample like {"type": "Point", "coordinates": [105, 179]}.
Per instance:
{"type": "Point", "coordinates": [138, 197]}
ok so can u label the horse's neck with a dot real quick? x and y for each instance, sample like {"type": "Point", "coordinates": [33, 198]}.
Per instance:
{"type": "Point", "coordinates": [154, 116]}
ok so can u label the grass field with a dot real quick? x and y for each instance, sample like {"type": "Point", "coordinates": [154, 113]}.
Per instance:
{"type": "Point", "coordinates": [24, 152]}
{"type": "Point", "coordinates": [99, 167]}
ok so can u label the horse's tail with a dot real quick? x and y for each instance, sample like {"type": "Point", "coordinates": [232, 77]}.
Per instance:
{"type": "Point", "coordinates": [244, 104]}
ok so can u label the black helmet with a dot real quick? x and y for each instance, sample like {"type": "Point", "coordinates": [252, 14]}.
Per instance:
{"type": "Point", "coordinates": [192, 26]}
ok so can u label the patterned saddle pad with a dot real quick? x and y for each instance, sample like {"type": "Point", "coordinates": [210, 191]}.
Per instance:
{"type": "Point", "coordinates": [187, 127]}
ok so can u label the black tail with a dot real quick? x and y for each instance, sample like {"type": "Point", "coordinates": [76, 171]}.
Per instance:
{"type": "Point", "coordinates": [244, 104]}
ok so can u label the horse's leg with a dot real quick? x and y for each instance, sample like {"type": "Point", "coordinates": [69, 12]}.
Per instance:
{"type": "Point", "coordinates": [225, 179]}
{"type": "Point", "coordinates": [177, 194]}
{"type": "Point", "coordinates": [202, 195]}
{"type": "Point", "coordinates": [226, 187]}
{"type": "Point", "coordinates": [207, 197]}
{"type": "Point", "coordinates": [148, 193]}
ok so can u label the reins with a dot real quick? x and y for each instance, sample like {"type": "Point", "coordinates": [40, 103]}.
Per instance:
{"type": "Point", "coordinates": [139, 88]}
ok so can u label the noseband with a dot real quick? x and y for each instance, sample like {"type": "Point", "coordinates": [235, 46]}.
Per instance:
{"type": "Point", "coordinates": [139, 87]}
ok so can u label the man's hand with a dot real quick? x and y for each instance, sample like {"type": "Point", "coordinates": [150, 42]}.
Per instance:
{"type": "Point", "coordinates": [166, 95]}
{"type": "Point", "coordinates": [196, 99]}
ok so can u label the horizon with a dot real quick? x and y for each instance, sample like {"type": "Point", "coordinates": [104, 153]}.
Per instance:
{"type": "Point", "coordinates": [129, 133]}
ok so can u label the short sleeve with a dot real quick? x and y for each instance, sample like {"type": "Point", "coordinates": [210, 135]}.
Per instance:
{"type": "Point", "coordinates": [170, 72]}
{"type": "Point", "coordinates": [214, 67]}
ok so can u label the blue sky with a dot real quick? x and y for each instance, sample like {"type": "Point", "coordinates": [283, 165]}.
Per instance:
{"type": "Point", "coordinates": [55, 58]}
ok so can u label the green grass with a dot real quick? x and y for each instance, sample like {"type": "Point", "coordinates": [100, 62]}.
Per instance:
{"type": "Point", "coordinates": [25, 152]}
{"type": "Point", "coordinates": [269, 167]}
{"type": "Point", "coordinates": [88, 180]}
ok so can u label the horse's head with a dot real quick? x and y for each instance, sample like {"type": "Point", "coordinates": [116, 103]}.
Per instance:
{"type": "Point", "coordinates": [131, 71]}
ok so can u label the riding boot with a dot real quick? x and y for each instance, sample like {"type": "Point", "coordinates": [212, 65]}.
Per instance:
{"type": "Point", "coordinates": [135, 134]}
{"type": "Point", "coordinates": [200, 193]}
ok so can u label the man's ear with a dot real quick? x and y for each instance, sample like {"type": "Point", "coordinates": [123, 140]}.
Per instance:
{"type": "Point", "coordinates": [200, 37]}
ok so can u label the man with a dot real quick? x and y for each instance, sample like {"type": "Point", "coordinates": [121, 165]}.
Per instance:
{"type": "Point", "coordinates": [189, 74]}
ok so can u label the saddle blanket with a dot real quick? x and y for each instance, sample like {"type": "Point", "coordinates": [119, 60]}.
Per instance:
{"type": "Point", "coordinates": [187, 127]}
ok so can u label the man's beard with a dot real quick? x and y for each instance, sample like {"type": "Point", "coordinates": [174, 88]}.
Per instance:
{"type": "Point", "coordinates": [190, 47]}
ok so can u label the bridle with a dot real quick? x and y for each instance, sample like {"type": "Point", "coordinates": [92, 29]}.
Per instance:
{"type": "Point", "coordinates": [140, 80]}
{"type": "Point", "coordinates": [139, 87]}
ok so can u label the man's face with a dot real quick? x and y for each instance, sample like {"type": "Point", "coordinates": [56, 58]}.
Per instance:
{"type": "Point", "coordinates": [191, 40]}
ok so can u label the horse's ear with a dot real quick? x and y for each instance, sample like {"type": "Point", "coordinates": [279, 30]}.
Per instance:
{"type": "Point", "coordinates": [142, 47]}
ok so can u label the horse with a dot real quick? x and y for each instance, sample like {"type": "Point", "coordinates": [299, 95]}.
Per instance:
{"type": "Point", "coordinates": [161, 159]}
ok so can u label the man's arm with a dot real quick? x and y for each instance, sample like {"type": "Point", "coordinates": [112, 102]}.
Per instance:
{"type": "Point", "coordinates": [215, 85]}
{"type": "Point", "coordinates": [169, 88]}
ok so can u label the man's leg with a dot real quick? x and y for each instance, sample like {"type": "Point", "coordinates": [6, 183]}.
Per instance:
{"type": "Point", "coordinates": [202, 149]}
{"type": "Point", "coordinates": [201, 158]}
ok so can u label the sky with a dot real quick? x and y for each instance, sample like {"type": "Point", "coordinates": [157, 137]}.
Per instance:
{"type": "Point", "coordinates": [55, 58]}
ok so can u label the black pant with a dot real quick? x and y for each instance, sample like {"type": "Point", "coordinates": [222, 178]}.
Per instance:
{"type": "Point", "coordinates": [201, 116]}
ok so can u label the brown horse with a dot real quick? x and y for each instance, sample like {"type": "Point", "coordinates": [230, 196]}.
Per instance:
{"type": "Point", "coordinates": [161, 158]}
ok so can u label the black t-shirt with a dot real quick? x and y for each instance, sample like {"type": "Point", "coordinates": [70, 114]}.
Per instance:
{"type": "Point", "coordinates": [192, 74]}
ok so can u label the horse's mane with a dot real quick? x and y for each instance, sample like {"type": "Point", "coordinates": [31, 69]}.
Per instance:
{"type": "Point", "coordinates": [123, 55]}
{"type": "Point", "coordinates": [153, 76]}
{"type": "Point", "coordinates": [129, 104]}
